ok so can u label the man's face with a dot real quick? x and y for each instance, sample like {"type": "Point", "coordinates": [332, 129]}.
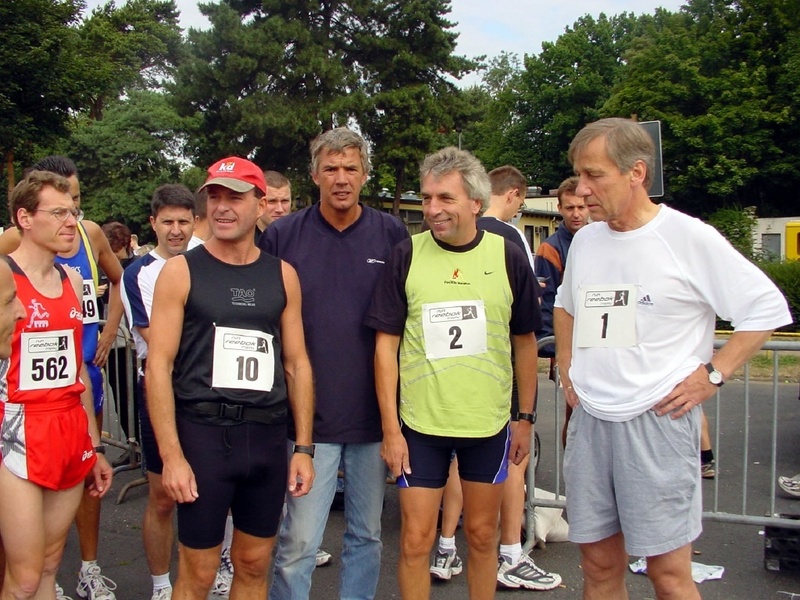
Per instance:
{"type": "Point", "coordinates": [606, 191]}
{"type": "Point", "coordinates": [46, 227]}
{"type": "Point", "coordinates": [173, 226]}
{"type": "Point", "coordinates": [75, 190]}
{"type": "Point", "coordinates": [279, 204]}
{"type": "Point", "coordinates": [233, 215]}
{"type": "Point", "coordinates": [514, 205]}
{"type": "Point", "coordinates": [11, 309]}
{"type": "Point", "coordinates": [574, 212]}
{"type": "Point", "coordinates": [340, 176]}
{"type": "Point", "coordinates": [448, 211]}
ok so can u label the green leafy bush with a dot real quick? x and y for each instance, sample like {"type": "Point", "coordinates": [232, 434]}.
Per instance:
{"type": "Point", "coordinates": [786, 276]}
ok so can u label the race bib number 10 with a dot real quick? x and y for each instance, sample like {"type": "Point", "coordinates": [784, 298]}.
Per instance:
{"type": "Point", "coordinates": [454, 328]}
{"type": "Point", "coordinates": [244, 359]}
{"type": "Point", "coordinates": [606, 316]}
{"type": "Point", "coordinates": [47, 360]}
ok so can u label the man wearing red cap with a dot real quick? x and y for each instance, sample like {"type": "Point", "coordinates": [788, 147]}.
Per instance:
{"type": "Point", "coordinates": [226, 359]}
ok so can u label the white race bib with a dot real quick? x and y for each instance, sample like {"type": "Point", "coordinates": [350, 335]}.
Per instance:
{"type": "Point", "coordinates": [606, 316]}
{"type": "Point", "coordinates": [91, 312]}
{"type": "Point", "coordinates": [454, 328]}
{"type": "Point", "coordinates": [47, 360]}
{"type": "Point", "coordinates": [244, 359]}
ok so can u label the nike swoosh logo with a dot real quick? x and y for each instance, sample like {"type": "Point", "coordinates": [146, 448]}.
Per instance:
{"type": "Point", "coordinates": [488, 272]}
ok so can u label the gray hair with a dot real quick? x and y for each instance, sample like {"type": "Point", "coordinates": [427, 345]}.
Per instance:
{"type": "Point", "coordinates": [337, 141]}
{"type": "Point", "coordinates": [626, 143]}
{"type": "Point", "coordinates": [450, 159]}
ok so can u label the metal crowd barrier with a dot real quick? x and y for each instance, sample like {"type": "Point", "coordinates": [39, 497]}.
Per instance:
{"type": "Point", "coordinates": [120, 375]}
{"type": "Point", "coordinates": [761, 512]}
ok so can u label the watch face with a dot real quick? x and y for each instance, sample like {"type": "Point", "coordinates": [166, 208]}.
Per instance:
{"type": "Point", "coordinates": [715, 377]}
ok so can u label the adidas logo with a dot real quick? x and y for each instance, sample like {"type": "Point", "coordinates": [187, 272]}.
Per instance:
{"type": "Point", "coordinates": [645, 300]}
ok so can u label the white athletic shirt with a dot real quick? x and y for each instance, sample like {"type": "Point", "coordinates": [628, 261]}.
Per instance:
{"type": "Point", "coordinates": [673, 275]}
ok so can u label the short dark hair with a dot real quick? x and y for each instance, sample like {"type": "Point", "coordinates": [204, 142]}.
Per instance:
{"type": "Point", "coordinates": [506, 177]}
{"type": "Point", "coordinates": [61, 165]}
{"type": "Point", "coordinates": [172, 194]}
{"type": "Point", "coordinates": [568, 186]}
{"type": "Point", "coordinates": [26, 194]}
{"type": "Point", "coordinates": [201, 203]}
{"type": "Point", "coordinates": [276, 180]}
{"type": "Point", "coordinates": [118, 236]}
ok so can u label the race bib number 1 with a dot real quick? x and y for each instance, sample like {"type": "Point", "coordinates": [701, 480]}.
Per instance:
{"type": "Point", "coordinates": [47, 360]}
{"type": "Point", "coordinates": [606, 316]}
{"type": "Point", "coordinates": [90, 309]}
{"type": "Point", "coordinates": [244, 359]}
{"type": "Point", "coordinates": [454, 328]}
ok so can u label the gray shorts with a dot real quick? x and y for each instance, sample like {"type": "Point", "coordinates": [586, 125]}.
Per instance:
{"type": "Point", "coordinates": [640, 477]}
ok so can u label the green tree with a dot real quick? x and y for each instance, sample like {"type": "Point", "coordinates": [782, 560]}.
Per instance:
{"type": "Point", "coordinates": [38, 73]}
{"type": "Point", "coordinates": [137, 45]}
{"type": "Point", "coordinates": [405, 56]}
{"type": "Point", "coordinates": [136, 147]}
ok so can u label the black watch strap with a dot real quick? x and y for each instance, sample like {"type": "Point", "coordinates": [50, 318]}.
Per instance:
{"type": "Point", "coordinates": [100, 449]}
{"type": "Point", "coordinates": [530, 417]}
{"type": "Point", "coordinates": [298, 449]}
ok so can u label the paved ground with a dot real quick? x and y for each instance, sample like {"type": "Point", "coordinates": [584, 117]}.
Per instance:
{"type": "Point", "coordinates": [739, 548]}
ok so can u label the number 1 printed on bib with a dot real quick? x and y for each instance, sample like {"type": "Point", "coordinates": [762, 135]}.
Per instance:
{"type": "Point", "coordinates": [606, 316]}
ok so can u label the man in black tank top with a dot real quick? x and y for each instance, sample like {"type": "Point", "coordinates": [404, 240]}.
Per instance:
{"type": "Point", "coordinates": [227, 359]}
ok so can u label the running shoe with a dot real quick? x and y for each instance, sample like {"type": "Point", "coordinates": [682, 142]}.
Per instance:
{"type": "Point", "coordinates": [790, 485]}
{"type": "Point", "coordinates": [162, 594]}
{"type": "Point", "coordinates": [323, 557]}
{"type": "Point", "coordinates": [222, 584]}
{"type": "Point", "coordinates": [525, 574]}
{"type": "Point", "coordinates": [708, 470]}
{"type": "Point", "coordinates": [93, 585]}
{"type": "Point", "coordinates": [60, 593]}
{"type": "Point", "coordinates": [444, 565]}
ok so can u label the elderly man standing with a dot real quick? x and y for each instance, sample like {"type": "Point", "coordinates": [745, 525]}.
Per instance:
{"type": "Point", "coordinates": [339, 247]}
{"type": "Point", "coordinates": [454, 301]}
{"type": "Point", "coordinates": [634, 324]}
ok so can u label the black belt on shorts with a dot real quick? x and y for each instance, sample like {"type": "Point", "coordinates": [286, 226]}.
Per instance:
{"type": "Point", "coordinates": [236, 412]}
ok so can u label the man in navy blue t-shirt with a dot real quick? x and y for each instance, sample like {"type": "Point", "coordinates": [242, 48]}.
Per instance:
{"type": "Point", "coordinates": [339, 248]}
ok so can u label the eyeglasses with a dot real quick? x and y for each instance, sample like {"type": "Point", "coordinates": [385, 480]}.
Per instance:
{"type": "Point", "coordinates": [62, 214]}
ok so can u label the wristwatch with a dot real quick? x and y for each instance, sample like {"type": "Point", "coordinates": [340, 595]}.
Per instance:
{"type": "Point", "coordinates": [714, 376]}
{"type": "Point", "coordinates": [100, 449]}
{"type": "Point", "coordinates": [530, 417]}
{"type": "Point", "coordinates": [304, 450]}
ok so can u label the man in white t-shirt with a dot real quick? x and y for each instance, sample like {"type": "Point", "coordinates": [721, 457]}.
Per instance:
{"type": "Point", "coordinates": [634, 323]}
{"type": "Point", "coordinates": [173, 221]}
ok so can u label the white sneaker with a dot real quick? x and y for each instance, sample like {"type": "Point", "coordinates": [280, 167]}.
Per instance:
{"type": "Point", "coordinates": [444, 566]}
{"type": "Point", "coordinates": [222, 584]}
{"type": "Point", "coordinates": [323, 557]}
{"type": "Point", "coordinates": [790, 485]}
{"type": "Point", "coordinates": [526, 574]}
{"type": "Point", "coordinates": [162, 594]}
{"type": "Point", "coordinates": [60, 593]}
{"type": "Point", "coordinates": [93, 585]}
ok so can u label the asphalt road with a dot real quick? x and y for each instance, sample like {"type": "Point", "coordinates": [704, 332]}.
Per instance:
{"type": "Point", "coordinates": [738, 548]}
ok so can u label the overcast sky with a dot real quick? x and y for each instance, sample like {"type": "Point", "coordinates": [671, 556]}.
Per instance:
{"type": "Point", "coordinates": [490, 27]}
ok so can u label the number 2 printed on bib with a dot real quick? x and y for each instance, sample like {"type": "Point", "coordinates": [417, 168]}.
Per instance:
{"type": "Point", "coordinates": [454, 328]}
{"type": "Point", "coordinates": [606, 316]}
{"type": "Point", "coordinates": [244, 359]}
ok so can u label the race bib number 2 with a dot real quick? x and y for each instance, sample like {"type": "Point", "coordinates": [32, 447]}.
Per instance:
{"type": "Point", "coordinates": [244, 359]}
{"type": "Point", "coordinates": [47, 360]}
{"type": "Point", "coordinates": [454, 328]}
{"type": "Point", "coordinates": [606, 316]}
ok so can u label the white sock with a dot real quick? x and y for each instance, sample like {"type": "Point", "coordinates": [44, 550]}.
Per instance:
{"type": "Point", "coordinates": [226, 542]}
{"type": "Point", "coordinates": [85, 564]}
{"type": "Point", "coordinates": [511, 552]}
{"type": "Point", "coordinates": [447, 545]}
{"type": "Point", "coordinates": [161, 581]}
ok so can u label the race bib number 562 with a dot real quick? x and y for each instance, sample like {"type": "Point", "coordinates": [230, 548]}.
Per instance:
{"type": "Point", "coordinates": [47, 360]}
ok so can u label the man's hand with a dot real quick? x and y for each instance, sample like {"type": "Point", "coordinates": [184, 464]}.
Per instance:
{"type": "Point", "coordinates": [301, 474]}
{"type": "Point", "coordinates": [520, 441]}
{"type": "Point", "coordinates": [394, 452]}
{"type": "Point", "coordinates": [178, 479]}
{"type": "Point", "coordinates": [690, 392]}
{"type": "Point", "coordinates": [104, 347]}
{"type": "Point", "coordinates": [99, 481]}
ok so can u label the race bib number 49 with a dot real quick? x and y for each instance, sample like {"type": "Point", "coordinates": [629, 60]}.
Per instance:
{"type": "Point", "coordinates": [454, 328]}
{"type": "Point", "coordinates": [606, 316]}
{"type": "Point", "coordinates": [47, 360]}
{"type": "Point", "coordinates": [244, 359]}
{"type": "Point", "coordinates": [91, 313]}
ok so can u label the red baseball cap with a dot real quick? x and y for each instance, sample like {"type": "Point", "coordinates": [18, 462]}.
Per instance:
{"type": "Point", "coordinates": [237, 174]}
